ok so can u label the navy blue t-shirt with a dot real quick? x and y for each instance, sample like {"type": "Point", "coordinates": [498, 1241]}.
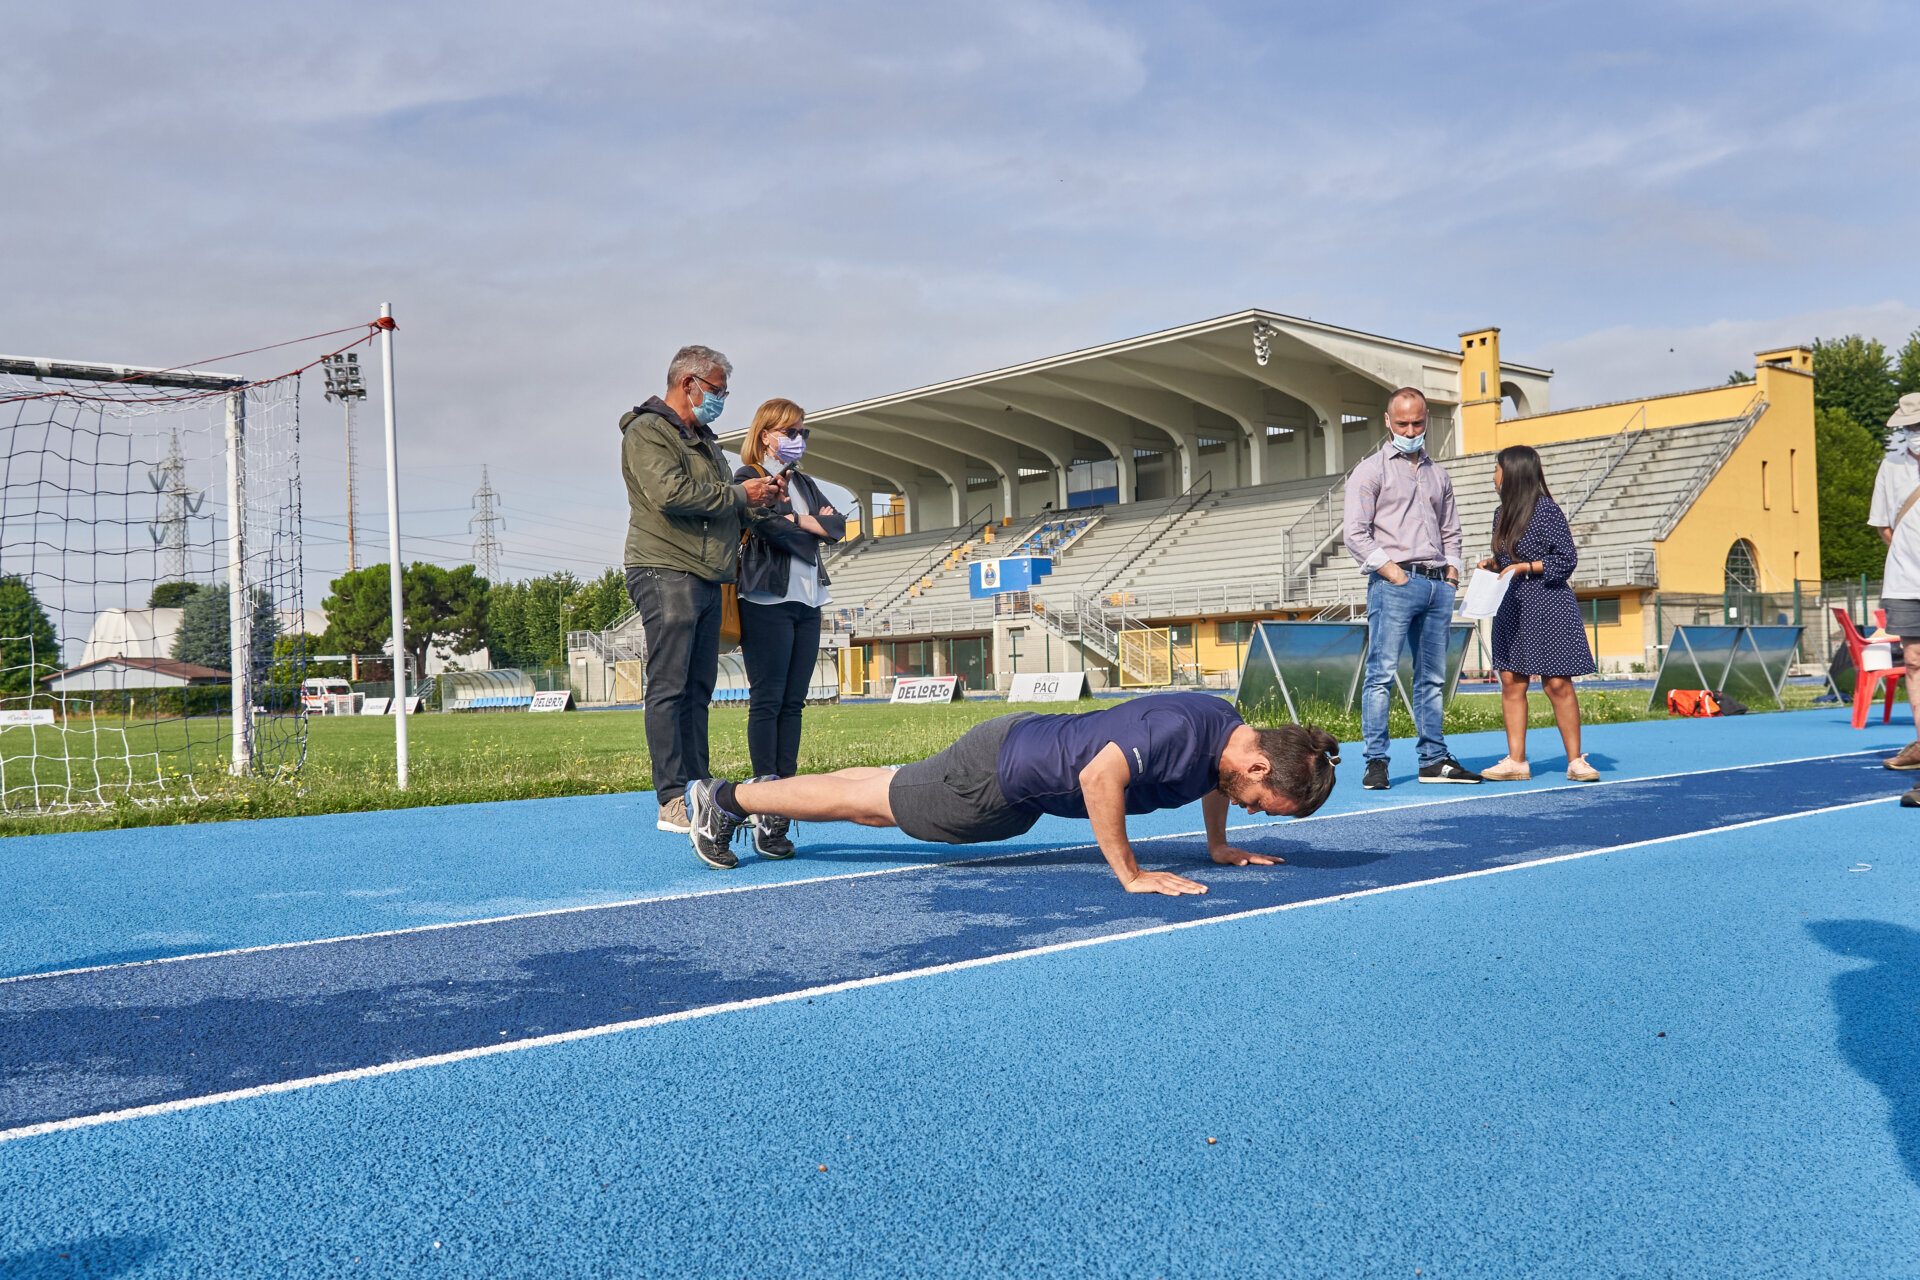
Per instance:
{"type": "Point", "coordinates": [1172, 743]}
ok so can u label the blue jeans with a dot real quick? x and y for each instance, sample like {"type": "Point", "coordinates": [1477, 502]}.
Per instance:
{"type": "Point", "coordinates": [1418, 612]}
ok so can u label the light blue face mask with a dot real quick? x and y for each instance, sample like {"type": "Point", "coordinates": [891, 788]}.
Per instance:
{"type": "Point", "coordinates": [1410, 444]}
{"type": "Point", "coordinates": [709, 408]}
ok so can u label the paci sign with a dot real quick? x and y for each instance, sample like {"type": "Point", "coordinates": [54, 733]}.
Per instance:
{"type": "Point", "coordinates": [36, 715]}
{"type": "Point", "coordinates": [928, 689]}
{"type": "Point", "coordinates": [552, 700]}
{"type": "Point", "coordinates": [1048, 686]}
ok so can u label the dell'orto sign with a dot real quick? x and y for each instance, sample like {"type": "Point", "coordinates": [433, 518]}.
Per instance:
{"type": "Point", "coordinates": [1015, 573]}
{"type": "Point", "coordinates": [928, 689]}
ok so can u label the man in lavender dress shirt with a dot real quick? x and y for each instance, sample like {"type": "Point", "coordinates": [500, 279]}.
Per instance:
{"type": "Point", "coordinates": [1403, 528]}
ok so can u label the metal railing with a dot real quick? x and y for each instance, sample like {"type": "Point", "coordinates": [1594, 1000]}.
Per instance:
{"type": "Point", "coordinates": [1709, 468]}
{"type": "Point", "coordinates": [1318, 528]}
{"type": "Point", "coordinates": [1151, 532]}
{"type": "Point", "coordinates": [1604, 463]}
{"type": "Point", "coordinates": [902, 582]}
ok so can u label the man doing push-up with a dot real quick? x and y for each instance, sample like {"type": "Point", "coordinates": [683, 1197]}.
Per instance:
{"type": "Point", "coordinates": [1160, 751]}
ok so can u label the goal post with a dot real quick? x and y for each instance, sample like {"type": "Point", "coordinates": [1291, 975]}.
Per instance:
{"type": "Point", "coordinates": [152, 518]}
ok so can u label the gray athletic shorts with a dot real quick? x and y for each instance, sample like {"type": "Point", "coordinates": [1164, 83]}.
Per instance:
{"type": "Point", "coordinates": [954, 797]}
{"type": "Point", "coordinates": [1903, 617]}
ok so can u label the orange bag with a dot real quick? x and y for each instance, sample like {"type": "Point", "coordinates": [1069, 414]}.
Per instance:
{"type": "Point", "coordinates": [1693, 702]}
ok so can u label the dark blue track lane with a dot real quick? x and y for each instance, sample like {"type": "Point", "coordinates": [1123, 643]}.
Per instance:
{"type": "Point", "coordinates": [85, 1043]}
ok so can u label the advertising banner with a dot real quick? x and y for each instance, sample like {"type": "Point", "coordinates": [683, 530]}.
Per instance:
{"type": "Point", "coordinates": [928, 689]}
{"type": "Point", "coordinates": [1049, 686]}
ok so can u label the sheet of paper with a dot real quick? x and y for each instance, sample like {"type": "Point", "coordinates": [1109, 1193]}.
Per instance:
{"type": "Point", "coordinates": [1485, 590]}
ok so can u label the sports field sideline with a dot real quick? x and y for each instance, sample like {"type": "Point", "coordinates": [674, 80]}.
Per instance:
{"type": "Point", "coordinates": [1664, 1025]}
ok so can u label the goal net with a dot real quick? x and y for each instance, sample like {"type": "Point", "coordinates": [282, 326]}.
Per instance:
{"type": "Point", "coordinates": [150, 583]}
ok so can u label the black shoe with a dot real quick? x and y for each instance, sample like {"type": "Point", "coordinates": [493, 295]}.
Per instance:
{"type": "Point", "coordinates": [713, 828]}
{"type": "Point", "coordinates": [770, 836]}
{"type": "Point", "coordinates": [1911, 800]}
{"type": "Point", "coordinates": [1376, 779]}
{"type": "Point", "coordinates": [1448, 770]}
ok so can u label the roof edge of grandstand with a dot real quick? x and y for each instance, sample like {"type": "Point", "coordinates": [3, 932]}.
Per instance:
{"type": "Point", "coordinates": [1130, 344]}
{"type": "Point", "coordinates": [1632, 400]}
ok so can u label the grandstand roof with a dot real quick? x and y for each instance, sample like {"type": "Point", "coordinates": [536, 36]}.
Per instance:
{"type": "Point", "coordinates": [1263, 396]}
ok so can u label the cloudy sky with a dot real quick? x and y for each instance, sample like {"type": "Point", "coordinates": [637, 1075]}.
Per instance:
{"type": "Point", "coordinates": [857, 198]}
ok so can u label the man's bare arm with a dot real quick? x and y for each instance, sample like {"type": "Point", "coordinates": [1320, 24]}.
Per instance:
{"type": "Point", "coordinates": [1886, 536]}
{"type": "Point", "coordinates": [1103, 785]}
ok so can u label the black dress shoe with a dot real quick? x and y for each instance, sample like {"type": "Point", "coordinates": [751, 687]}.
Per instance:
{"type": "Point", "coordinates": [1911, 800]}
{"type": "Point", "coordinates": [1376, 779]}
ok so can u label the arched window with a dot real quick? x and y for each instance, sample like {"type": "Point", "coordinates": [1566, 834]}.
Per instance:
{"type": "Point", "coordinates": [1743, 571]}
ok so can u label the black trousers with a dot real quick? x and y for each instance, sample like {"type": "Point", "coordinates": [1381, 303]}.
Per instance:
{"type": "Point", "coordinates": [780, 644]}
{"type": "Point", "coordinates": [681, 615]}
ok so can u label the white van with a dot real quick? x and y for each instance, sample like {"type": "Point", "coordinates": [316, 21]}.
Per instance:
{"type": "Point", "coordinates": [327, 696]}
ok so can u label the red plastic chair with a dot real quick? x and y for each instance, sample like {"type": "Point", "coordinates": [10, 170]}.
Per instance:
{"type": "Point", "coordinates": [1865, 682]}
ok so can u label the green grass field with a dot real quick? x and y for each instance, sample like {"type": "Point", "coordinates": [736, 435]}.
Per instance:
{"type": "Point", "coordinates": [462, 759]}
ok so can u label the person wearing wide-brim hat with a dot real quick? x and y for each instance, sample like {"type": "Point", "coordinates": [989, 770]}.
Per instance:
{"type": "Point", "coordinates": [1896, 514]}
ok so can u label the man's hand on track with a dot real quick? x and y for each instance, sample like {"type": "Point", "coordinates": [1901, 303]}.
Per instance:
{"type": "Point", "coordinates": [1164, 882]}
{"type": "Point", "coordinates": [1228, 856]}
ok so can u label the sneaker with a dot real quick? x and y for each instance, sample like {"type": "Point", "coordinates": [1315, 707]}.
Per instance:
{"type": "Point", "coordinates": [1376, 779]}
{"type": "Point", "coordinates": [1509, 770]}
{"type": "Point", "coordinates": [709, 827]}
{"type": "Point", "coordinates": [1448, 770]}
{"type": "Point", "coordinates": [673, 816]}
{"type": "Point", "coordinates": [1911, 800]}
{"type": "Point", "coordinates": [1578, 770]}
{"type": "Point", "coordinates": [1909, 757]}
{"type": "Point", "coordinates": [770, 836]}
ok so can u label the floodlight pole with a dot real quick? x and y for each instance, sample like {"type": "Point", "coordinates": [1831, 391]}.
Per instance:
{"type": "Point", "coordinates": [393, 552]}
{"type": "Point", "coordinates": [239, 606]}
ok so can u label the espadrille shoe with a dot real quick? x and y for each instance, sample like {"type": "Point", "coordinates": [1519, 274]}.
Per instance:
{"type": "Point", "coordinates": [1580, 771]}
{"type": "Point", "coordinates": [1508, 770]}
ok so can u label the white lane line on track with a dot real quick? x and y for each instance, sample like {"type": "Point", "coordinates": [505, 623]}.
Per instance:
{"type": "Point", "coordinates": [918, 866]}
{"type": "Point", "coordinates": [586, 1033]}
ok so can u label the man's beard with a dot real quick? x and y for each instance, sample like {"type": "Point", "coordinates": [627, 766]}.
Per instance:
{"type": "Point", "coordinates": [1238, 788]}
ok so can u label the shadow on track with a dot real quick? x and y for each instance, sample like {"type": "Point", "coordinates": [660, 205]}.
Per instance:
{"type": "Point", "coordinates": [93, 1256]}
{"type": "Point", "coordinates": [1879, 1010]}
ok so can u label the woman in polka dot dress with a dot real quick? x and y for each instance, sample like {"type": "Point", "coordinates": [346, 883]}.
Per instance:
{"type": "Point", "coordinates": [1538, 631]}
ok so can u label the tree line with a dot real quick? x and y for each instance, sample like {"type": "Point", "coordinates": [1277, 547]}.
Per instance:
{"type": "Point", "coordinates": [523, 624]}
{"type": "Point", "coordinates": [1856, 383]}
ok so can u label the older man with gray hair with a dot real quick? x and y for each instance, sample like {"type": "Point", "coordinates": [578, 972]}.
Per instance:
{"type": "Point", "coordinates": [683, 532]}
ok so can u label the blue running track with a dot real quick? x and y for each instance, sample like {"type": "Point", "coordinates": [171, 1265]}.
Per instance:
{"type": "Point", "coordinates": [109, 1039]}
{"type": "Point", "coordinates": [1678, 1034]}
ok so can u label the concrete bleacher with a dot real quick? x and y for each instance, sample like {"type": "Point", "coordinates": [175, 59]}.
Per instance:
{"type": "Point", "coordinates": [1226, 551]}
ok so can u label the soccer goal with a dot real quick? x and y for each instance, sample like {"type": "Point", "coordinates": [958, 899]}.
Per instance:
{"type": "Point", "coordinates": [150, 564]}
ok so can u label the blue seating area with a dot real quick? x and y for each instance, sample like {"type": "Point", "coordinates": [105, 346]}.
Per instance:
{"type": "Point", "coordinates": [1054, 533]}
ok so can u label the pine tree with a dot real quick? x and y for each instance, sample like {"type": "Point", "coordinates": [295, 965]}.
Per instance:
{"type": "Point", "coordinates": [28, 647]}
{"type": "Point", "coordinates": [205, 636]}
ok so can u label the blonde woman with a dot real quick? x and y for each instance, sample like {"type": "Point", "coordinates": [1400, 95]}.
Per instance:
{"type": "Point", "coordinates": [782, 587]}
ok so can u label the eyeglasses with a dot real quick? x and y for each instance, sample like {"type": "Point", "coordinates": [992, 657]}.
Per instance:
{"type": "Point", "coordinates": [719, 391]}
{"type": "Point", "coordinates": [794, 433]}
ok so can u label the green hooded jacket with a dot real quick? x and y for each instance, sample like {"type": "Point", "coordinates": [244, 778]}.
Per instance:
{"type": "Point", "coordinates": [685, 512]}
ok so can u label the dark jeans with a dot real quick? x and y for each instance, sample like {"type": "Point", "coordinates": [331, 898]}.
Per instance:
{"type": "Point", "coordinates": [681, 616]}
{"type": "Point", "coordinates": [780, 644]}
